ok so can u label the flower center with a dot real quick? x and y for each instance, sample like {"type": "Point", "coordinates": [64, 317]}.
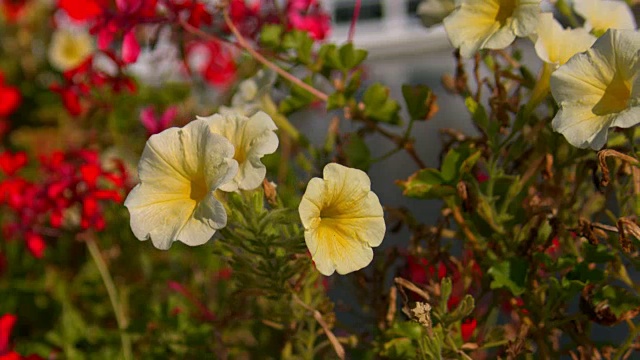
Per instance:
{"type": "Point", "coordinates": [198, 189]}
{"type": "Point", "coordinates": [240, 155]}
{"type": "Point", "coordinates": [505, 10]}
{"type": "Point", "coordinates": [615, 98]}
{"type": "Point", "coordinates": [70, 50]}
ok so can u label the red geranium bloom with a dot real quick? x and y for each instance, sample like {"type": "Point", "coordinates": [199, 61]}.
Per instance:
{"type": "Point", "coordinates": [11, 163]}
{"type": "Point", "coordinates": [467, 328]}
{"type": "Point", "coordinates": [10, 98]}
{"type": "Point", "coordinates": [82, 10]}
{"type": "Point", "coordinates": [214, 61]}
{"type": "Point", "coordinates": [13, 9]}
{"type": "Point", "coordinates": [307, 15]}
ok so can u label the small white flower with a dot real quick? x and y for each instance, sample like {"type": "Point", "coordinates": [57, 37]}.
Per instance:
{"type": "Point", "coordinates": [179, 170]}
{"type": "Point", "coordinates": [69, 48]}
{"type": "Point", "coordinates": [251, 94]}
{"type": "Point", "coordinates": [601, 15]}
{"type": "Point", "coordinates": [490, 24]}
{"type": "Point", "coordinates": [599, 89]}
{"type": "Point", "coordinates": [252, 137]}
{"type": "Point", "coordinates": [556, 45]}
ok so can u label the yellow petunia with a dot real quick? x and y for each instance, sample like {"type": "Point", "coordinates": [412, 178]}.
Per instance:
{"type": "Point", "coordinates": [599, 89]}
{"type": "Point", "coordinates": [556, 45]}
{"type": "Point", "coordinates": [342, 220]}
{"type": "Point", "coordinates": [179, 170]}
{"type": "Point", "coordinates": [490, 24]}
{"type": "Point", "coordinates": [69, 48]}
{"type": "Point", "coordinates": [252, 137]}
{"type": "Point", "coordinates": [601, 15]}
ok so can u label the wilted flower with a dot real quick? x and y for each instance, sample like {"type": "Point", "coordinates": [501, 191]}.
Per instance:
{"type": "Point", "coordinates": [179, 171]}
{"type": "Point", "coordinates": [432, 12]}
{"type": "Point", "coordinates": [252, 137]}
{"type": "Point", "coordinates": [490, 24]}
{"type": "Point", "coordinates": [342, 220]}
{"type": "Point", "coordinates": [557, 45]}
{"type": "Point", "coordinates": [598, 90]}
{"type": "Point", "coordinates": [69, 48]}
{"type": "Point", "coordinates": [601, 15]}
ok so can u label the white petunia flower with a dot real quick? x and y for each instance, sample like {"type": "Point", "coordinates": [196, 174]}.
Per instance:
{"type": "Point", "coordinates": [556, 45]}
{"type": "Point", "coordinates": [599, 89]}
{"type": "Point", "coordinates": [490, 24]}
{"type": "Point", "coordinates": [179, 171]}
{"type": "Point", "coordinates": [342, 220]}
{"type": "Point", "coordinates": [251, 94]}
{"type": "Point", "coordinates": [601, 15]}
{"type": "Point", "coordinates": [252, 137]}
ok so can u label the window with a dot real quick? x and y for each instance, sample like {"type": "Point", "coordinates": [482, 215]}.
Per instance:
{"type": "Point", "coordinates": [369, 10]}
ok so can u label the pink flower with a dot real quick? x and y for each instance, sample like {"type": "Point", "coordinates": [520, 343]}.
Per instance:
{"type": "Point", "coordinates": [307, 15]}
{"type": "Point", "coordinates": [130, 47]}
{"type": "Point", "coordinates": [155, 124]}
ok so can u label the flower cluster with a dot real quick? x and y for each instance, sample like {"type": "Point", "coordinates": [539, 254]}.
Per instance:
{"type": "Point", "coordinates": [595, 90]}
{"type": "Point", "coordinates": [67, 194]}
{"type": "Point", "coordinates": [181, 169]}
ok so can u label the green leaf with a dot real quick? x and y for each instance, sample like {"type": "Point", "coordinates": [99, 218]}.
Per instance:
{"type": "Point", "coordinates": [510, 274]}
{"type": "Point", "coordinates": [271, 35]}
{"type": "Point", "coordinates": [298, 99]}
{"type": "Point", "coordinates": [582, 272]}
{"type": "Point", "coordinates": [336, 100]}
{"type": "Point", "coordinates": [378, 105]}
{"type": "Point", "coordinates": [301, 42]}
{"type": "Point", "coordinates": [618, 299]}
{"type": "Point", "coordinates": [417, 98]}
{"type": "Point", "coordinates": [358, 154]}
{"type": "Point", "coordinates": [351, 57]}
{"type": "Point", "coordinates": [598, 253]}
{"type": "Point", "coordinates": [478, 113]}
{"type": "Point", "coordinates": [426, 184]}
{"type": "Point", "coordinates": [450, 165]}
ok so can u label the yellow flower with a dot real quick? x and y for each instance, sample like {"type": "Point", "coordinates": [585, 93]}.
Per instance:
{"type": "Point", "coordinates": [601, 15]}
{"type": "Point", "coordinates": [557, 45]}
{"type": "Point", "coordinates": [432, 12]}
{"type": "Point", "coordinates": [490, 24]}
{"type": "Point", "coordinates": [342, 220]}
{"type": "Point", "coordinates": [598, 89]}
{"type": "Point", "coordinates": [252, 137]}
{"type": "Point", "coordinates": [179, 171]}
{"type": "Point", "coordinates": [69, 48]}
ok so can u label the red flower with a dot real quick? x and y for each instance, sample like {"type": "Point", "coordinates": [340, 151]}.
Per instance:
{"type": "Point", "coordinates": [13, 9]}
{"type": "Point", "coordinates": [130, 47]}
{"type": "Point", "coordinates": [467, 328]}
{"type": "Point", "coordinates": [155, 124]}
{"type": "Point", "coordinates": [11, 163]}
{"type": "Point", "coordinates": [82, 10]}
{"type": "Point", "coordinates": [35, 244]}
{"type": "Point", "coordinates": [7, 321]}
{"type": "Point", "coordinates": [10, 98]}
{"type": "Point", "coordinates": [214, 61]}
{"type": "Point", "coordinates": [307, 15]}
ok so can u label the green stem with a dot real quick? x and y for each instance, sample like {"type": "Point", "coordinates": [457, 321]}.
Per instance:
{"type": "Point", "coordinates": [113, 295]}
{"type": "Point", "coordinates": [634, 333]}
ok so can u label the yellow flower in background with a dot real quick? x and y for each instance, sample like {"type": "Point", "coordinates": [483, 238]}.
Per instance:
{"type": "Point", "coordinates": [601, 15]}
{"type": "Point", "coordinates": [598, 89]}
{"type": "Point", "coordinates": [342, 220]}
{"type": "Point", "coordinates": [556, 45]}
{"type": "Point", "coordinates": [69, 48]}
{"type": "Point", "coordinates": [179, 171]}
{"type": "Point", "coordinates": [490, 24]}
{"type": "Point", "coordinates": [252, 137]}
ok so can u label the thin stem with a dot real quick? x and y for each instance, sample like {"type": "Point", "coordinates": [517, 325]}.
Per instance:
{"type": "Point", "coordinates": [113, 295]}
{"type": "Point", "coordinates": [354, 20]}
{"type": "Point", "coordinates": [256, 55]}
